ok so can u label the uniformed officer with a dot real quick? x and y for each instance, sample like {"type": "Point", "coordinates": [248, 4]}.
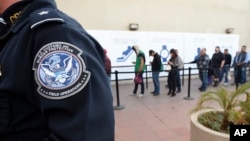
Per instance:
{"type": "Point", "coordinates": [53, 85]}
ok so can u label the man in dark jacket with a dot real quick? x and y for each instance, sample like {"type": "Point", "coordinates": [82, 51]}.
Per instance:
{"type": "Point", "coordinates": [218, 61]}
{"type": "Point", "coordinates": [156, 68]}
{"type": "Point", "coordinates": [53, 84]}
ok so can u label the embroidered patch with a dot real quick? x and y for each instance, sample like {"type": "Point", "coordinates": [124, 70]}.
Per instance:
{"type": "Point", "coordinates": [60, 72]}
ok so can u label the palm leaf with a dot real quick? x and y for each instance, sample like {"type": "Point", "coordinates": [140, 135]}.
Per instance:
{"type": "Point", "coordinates": [219, 96]}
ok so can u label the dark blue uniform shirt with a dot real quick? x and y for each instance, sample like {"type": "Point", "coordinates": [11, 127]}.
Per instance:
{"type": "Point", "coordinates": [53, 85]}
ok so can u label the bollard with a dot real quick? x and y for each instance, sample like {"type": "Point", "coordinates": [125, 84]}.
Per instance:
{"type": "Point", "coordinates": [118, 106]}
{"type": "Point", "coordinates": [189, 85]}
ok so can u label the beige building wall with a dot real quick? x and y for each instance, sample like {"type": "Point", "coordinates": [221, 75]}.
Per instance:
{"type": "Point", "coordinates": [195, 16]}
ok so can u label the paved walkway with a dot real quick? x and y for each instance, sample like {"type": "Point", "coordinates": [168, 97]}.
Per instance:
{"type": "Point", "coordinates": [154, 118]}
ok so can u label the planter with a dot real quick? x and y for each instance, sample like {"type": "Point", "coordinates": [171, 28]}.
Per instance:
{"type": "Point", "coordinates": [198, 132]}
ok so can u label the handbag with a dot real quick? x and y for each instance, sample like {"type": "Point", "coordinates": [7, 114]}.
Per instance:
{"type": "Point", "coordinates": [138, 79]}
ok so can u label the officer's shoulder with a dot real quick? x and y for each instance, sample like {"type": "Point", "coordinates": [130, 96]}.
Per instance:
{"type": "Point", "coordinates": [44, 16]}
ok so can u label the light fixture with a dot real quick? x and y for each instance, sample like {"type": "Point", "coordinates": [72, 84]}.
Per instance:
{"type": "Point", "coordinates": [229, 30]}
{"type": "Point", "coordinates": [133, 26]}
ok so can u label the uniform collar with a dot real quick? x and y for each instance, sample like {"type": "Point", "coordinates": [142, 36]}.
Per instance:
{"type": "Point", "coordinates": [13, 13]}
{"type": "Point", "coordinates": [26, 7]}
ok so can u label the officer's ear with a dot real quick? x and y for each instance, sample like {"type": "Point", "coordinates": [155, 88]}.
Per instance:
{"type": "Point", "coordinates": [3, 27]}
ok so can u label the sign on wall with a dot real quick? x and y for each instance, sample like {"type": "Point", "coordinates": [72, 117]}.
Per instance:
{"type": "Point", "coordinates": [119, 46]}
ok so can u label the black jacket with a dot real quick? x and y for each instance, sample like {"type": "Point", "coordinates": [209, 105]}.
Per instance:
{"type": "Point", "coordinates": [217, 59]}
{"type": "Point", "coordinates": [156, 64]}
{"type": "Point", "coordinates": [53, 85]}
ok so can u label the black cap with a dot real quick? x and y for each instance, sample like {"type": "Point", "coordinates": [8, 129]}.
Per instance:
{"type": "Point", "coordinates": [151, 51]}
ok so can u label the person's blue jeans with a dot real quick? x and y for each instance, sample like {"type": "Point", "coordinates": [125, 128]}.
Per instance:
{"type": "Point", "coordinates": [236, 75]}
{"type": "Point", "coordinates": [240, 75]}
{"type": "Point", "coordinates": [243, 75]}
{"type": "Point", "coordinates": [204, 80]}
{"type": "Point", "coordinates": [224, 72]}
{"type": "Point", "coordinates": [156, 81]}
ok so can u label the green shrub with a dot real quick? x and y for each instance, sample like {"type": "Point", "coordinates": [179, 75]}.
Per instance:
{"type": "Point", "coordinates": [235, 105]}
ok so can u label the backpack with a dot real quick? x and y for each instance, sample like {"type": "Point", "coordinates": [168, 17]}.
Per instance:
{"type": "Point", "coordinates": [162, 67]}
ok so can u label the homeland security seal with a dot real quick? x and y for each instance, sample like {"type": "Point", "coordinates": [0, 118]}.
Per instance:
{"type": "Point", "coordinates": [60, 72]}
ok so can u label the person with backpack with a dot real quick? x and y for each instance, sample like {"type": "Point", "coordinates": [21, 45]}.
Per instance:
{"type": "Point", "coordinates": [156, 68]}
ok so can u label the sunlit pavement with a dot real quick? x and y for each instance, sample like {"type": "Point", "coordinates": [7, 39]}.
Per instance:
{"type": "Point", "coordinates": [155, 118]}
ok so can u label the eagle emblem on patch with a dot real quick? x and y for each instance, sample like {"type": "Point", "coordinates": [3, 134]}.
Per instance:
{"type": "Point", "coordinates": [60, 72]}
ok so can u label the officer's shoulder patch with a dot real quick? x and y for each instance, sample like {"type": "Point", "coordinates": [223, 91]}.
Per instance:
{"type": "Point", "coordinates": [60, 71]}
{"type": "Point", "coordinates": [44, 15]}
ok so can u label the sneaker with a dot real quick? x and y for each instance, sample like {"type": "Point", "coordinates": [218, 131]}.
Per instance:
{"type": "Point", "coordinates": [152, 92]}
{"type": "Point", "coordinates": [132, 94]}
{"type": "Point", "coordinates": [140, 95]}
{"type": "Point", "coordinates": [225, 84]}
{"type": "Point", "coordinates": [215, 84]}
{"type": "Point", "coordinates": [125, 54]}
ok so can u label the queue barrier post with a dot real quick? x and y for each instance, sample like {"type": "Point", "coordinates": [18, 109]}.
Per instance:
{"type": "Point", "coordinates": [146, 77]}
{"type": "Point", "coordinates": [183, 76]}
{"type": "Point", "coordinates": [118, 106]}
{"type": "Point", "coordinates": [189, 85]}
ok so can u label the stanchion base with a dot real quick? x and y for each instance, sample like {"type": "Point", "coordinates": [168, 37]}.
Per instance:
{"type": "Point", "coordinates": [188, 98]}
{"type": "Point", "coordinates": [119, 107]}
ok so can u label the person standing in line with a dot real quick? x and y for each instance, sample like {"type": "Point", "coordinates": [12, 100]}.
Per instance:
{"type": "Point", "coordinates": [203, 66]}
{"type": "Point", "coordinates": [197, 56]}
{"type": "Point", "coordinates": [234, 65]}
{"type": "Point", "coordinates": [53, 81]}
{"type": "Point", "coordinates": [156, 68]}
{"type": "Point", "coordinates": [210, 73]}
{"type": "Point", "coordinates": [218, 61]}
{"type": "Point", "coordinates": [107, 64]}
{"type": "Point", "coordinates": [178, 77]}
{"type": "Point", "coordinates": [226, 67]}
{"type": "Point", "coordinates": [174, 62]}
{"type": "Point", "coordinates": [241, 62]}
{"type": "Point", "coordinates": [139, 69]}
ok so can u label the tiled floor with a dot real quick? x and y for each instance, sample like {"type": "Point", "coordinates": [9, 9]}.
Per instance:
{"type": "Point", "coordinates": [154, 118]}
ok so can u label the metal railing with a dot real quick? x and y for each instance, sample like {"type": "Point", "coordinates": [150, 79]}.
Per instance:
{"type": "Point", "coordinates": [189, 74]}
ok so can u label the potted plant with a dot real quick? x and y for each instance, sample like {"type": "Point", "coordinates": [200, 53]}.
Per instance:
{"type": "Point", "coordinates": [211, 124]}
